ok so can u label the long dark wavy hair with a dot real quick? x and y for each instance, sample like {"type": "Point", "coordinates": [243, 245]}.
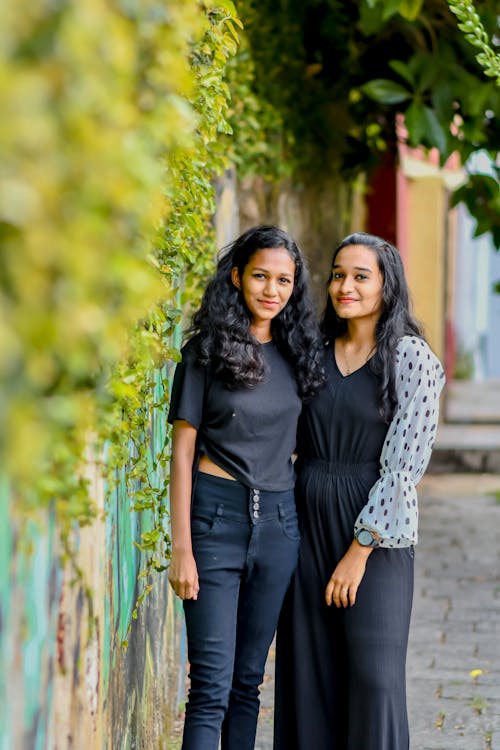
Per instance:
{"type": "Point", "coordinates": [220, 328]}
{"type": "Point", "coordinates": [395, 321]}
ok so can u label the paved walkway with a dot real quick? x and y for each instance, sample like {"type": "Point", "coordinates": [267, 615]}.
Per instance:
{"type": "Point", "coordinates": [469, 438]}
{"type": "Point", "coordinates": [454, 652]}
{"type": "Point", "coordinates": [468, 402]}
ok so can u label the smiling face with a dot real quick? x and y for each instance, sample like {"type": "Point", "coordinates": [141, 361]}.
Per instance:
{"type": "Point", "coordinates": [266, 284]}
{"type": "Point", "coordinates": [357, 282]}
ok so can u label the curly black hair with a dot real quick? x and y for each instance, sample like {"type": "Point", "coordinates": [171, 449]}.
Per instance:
{"type": "Point", "coordinates": [395, 321]}
{"type": "Point", "coordinates": [220, 328]}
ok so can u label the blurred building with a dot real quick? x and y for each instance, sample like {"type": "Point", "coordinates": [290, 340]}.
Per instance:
{"type": "Point", "coordinates": [451, 274]}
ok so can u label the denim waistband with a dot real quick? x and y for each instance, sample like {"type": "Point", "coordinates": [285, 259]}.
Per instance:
{"type": "Point", "coordinates": [236, 500]}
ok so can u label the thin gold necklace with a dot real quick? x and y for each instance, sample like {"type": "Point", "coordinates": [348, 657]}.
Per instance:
{"type": "Point", "coordinates": [264, 341]}
{"type": "Point", "coordinates": [345, 357]}
{"type": "Point", "coordinates": [344, 352]}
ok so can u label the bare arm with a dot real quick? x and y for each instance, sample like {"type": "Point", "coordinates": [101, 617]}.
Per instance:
{"type": "Point", "coordinates": [183, 574]}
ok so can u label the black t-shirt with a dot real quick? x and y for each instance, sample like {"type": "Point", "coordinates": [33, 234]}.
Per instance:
{"type": "Point", "coordinates": [248, 432]}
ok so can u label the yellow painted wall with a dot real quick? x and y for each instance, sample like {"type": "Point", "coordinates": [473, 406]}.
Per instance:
{"type": "Point", "coordinates": [425, 256]}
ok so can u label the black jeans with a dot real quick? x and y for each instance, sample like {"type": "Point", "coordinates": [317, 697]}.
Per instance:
{"type": "Point", "coordinates": [245, 543]}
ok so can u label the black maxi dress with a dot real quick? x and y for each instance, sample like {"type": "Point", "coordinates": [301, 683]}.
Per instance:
{"type": "Point", "coordinates": [340, 673]}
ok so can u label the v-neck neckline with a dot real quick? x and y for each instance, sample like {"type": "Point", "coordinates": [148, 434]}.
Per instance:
{"type": "Point", "coordinates": [349, 374]}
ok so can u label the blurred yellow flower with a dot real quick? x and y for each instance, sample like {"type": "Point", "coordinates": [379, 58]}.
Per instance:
{"type": "Point", "coordinates": [475, 673]}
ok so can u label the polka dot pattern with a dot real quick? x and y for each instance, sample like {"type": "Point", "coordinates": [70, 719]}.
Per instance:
{"type": "Point", "coordinates": [392, 508]}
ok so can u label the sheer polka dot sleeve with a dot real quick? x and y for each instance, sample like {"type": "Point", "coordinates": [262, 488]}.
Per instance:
{"type": "Point", "coordinates": [392, 509]}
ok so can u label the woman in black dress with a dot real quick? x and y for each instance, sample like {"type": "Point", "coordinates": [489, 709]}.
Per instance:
{"type": "Point", "coordinates": [364, 442]}
{"type": "Point", "coordinates": [253, 355]}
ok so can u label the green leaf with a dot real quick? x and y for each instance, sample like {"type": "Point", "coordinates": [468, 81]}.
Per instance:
{"type": "Point", "coordinates": [227, 5]}
{"type": "Point", "coordinates": [481, 195]}
{"type": "Point", "coordinates": [410, 9]}
{"type": "Point", "coordinates": [435, 131]}
{"type": "Point", "coordinates": [390, 8]}
{"type": "Point", "coordinates": [160, 568]}
{"type": "Point", "coordinates": [429, 73]}
{"type": "Point", "coordinates": [233, 31]}
{"type": "Point", "coordinates": [386, 91]}
{"type": "Point", "coordinates": [442, 100]}
{"type": "Point", "coordinates": [402, 69]}
{"type": "Point", "coordinates": [415, 122]}
{"type": "Point", "coordinates": [370, 20]}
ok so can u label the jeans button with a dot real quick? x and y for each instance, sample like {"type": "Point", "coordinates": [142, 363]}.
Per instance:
{"type": "Point", "coordinates": [256, 514]}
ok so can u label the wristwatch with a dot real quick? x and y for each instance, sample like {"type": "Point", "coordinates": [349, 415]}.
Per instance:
{"type": "Point", "coordinates": [366, 538]}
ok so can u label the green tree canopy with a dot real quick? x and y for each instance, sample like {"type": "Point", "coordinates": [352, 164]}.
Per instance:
{"type": "Point", "coordinates": [335, 74]}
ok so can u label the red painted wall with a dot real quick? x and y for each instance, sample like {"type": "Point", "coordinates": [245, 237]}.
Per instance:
{"type": "Point", "coordinates": [381, 201]}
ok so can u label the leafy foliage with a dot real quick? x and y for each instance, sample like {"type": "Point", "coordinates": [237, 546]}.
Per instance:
{"type": "Point", "coordinates": [483, 189]}
{"type": "Point", "coordinates": [106, 200]}
{"type": "Point", "coordinates": [259, 136]}
{"type": "Point", "coordinates": [475, 33]}
{"type": "Point", "coordinates": [336, 74]}
{"type": "Point", "coordinates": [184, 253]}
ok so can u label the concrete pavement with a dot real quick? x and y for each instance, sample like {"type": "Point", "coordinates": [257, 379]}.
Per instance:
{"type": "Point", "coordinates": [454, 651]}
{"type": "Point", "coordinates": [470, 402]}
{"type": "Point", "coordinates": [468, 439]}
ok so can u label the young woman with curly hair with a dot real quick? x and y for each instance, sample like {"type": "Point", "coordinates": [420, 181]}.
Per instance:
{"type": "Point", "coordinates": [364, 442]}
{"type": "Point", "coordinates": [253, 356]}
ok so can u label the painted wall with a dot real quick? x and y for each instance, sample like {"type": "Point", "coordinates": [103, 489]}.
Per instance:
{"type": "Point", "coordinates": [425, 236]}
{"type": "Point", "coordinates": [65, 679]}
{"type": "Point", "coordinates": [30, 585]}
{"type": "Point", "coordinates": [476, 306]}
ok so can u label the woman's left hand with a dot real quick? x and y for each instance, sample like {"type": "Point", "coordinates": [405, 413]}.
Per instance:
{"type": "Point", "coordinates": [343, 585]}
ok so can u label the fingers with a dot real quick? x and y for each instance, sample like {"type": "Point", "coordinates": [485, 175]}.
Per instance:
{"type": "Point", "coordinates": [343, 596]}
{"type": "Point", "coordinates": [342, 588]}
{"type": "Point", "coordinates": [329, 593]}
{"type": "Point", "coordinates": [185, 589]}
{"type": "Point", "coordinates": [195, 589]}
{"type": "Point", "coordinates": [336, 593]}
{"type": "Point", "coordinates": [183, 576]}
{"type": "Point", "coordinates": [189, 591]}
{"type": "Point", "coordinates": [340, 594]}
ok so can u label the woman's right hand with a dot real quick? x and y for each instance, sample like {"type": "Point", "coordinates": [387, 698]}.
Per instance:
{"type": "Point", "coordinates": [183, 575]}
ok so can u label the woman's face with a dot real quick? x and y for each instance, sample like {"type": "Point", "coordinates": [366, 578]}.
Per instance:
{"type": "Point", "coordinates": [266, 282]}
{"type": "Point", "coordinates": [356, 285]}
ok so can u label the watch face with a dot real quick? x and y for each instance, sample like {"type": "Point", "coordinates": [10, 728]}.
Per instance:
{"type": "Point", "coordinates": [365, 537]}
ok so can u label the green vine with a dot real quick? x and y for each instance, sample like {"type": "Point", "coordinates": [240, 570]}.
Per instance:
{"type": "Point", "coordinates": [92, 117]}
{"type": "Point", "coordinates": [106, 198]}
{"type": "Point", "coordinates": [475, 33]}
{"type": "Point", "coordinates": [259, 137]}
{"type": "Point", "coordinates": [184, 256]}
